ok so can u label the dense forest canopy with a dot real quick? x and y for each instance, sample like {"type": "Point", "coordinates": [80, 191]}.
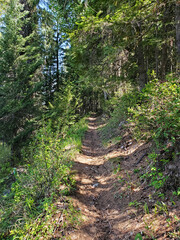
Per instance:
{"type": "Point", "coordinates": [60, 60]}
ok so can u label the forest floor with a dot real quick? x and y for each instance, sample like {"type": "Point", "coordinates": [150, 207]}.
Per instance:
{"type": "Point", "coordinates": [114, 203]}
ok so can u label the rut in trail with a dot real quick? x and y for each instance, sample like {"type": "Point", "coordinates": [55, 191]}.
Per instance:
{"type": "Point", "coordinates": [93, 196]}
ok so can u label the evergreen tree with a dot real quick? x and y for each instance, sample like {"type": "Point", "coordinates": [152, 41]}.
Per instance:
{"type": "Point", "coordinates": [54, 27]}
{"type": "Point", "coordinates": [53, 52]}
{"type": "Point", "coordinates": [178, 35]}
{"type": "Point", "coordinates": [19, 64]}
{"type": "Point", "coordinates": [114, 42]}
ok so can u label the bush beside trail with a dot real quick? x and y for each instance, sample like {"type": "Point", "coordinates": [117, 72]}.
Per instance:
{"type": "Point", "coordinates": [29, 208]}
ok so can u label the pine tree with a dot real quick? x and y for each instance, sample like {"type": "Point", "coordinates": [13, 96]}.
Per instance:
{"type": "Point", "coordinates": [178, 35]}
{"type": "Point", "coordinates": [54, 42]}
{"type": "Point", "coordinates": [19, 64]}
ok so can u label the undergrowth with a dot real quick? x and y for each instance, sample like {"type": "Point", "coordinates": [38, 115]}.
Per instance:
{"type": "Point", "coordinates": [151, 115]}
{"type": "Point", "coordinates": [5, 168]}
{"type": "Point", "coordinates": [120, 104]}
{"type": "Point", "coordinates": [28, 208]}
{"type": "Point", "coordinates": [156, 116]}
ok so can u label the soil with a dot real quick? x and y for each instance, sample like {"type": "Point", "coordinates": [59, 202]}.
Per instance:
{"type": "Point", "coordinates": [114, 203]}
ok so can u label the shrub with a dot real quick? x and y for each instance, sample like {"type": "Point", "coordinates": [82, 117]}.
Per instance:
{"type": "Point", "coordinates": [5, 154]}
{"type": "Point", "coordinates": [120, 114]}
{"type": "Point", "coordinates": [157, 115]}
{"type": "Point", "coordinates": [45, 177]}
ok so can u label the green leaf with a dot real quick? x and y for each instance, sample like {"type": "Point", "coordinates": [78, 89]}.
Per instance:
{"type": "Point", "coordinates": [138, 237]}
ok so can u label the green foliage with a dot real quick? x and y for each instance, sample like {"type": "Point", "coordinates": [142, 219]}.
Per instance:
{"type": "Point", "coordinates": [5, 168]}
{"type": "Point", "coordinates": [146, 209]}
{"type": "Point", "coordinates": [120, 41]}
{"type": "Point", "coordinates": [150, 114]}
{"type": "Point", "coordinates": [117, 168]}
{"type": "Point", "coordinates": [3, 5]}
{"type": "Point", "coordinates": [177, 193]}
{"type": "Point", "coordinates": [137, 170]}
{"type": "Point", "coordinates": [113, 47]}
{"type": "Point", "coordinates": [46, 177]}
{"type": "Point", "coordinates": [160, 208]}
{"type": "Point", "coordinates": [157, 116]}
{"type": "Point", "coordinates": [112, 141]}
{"type": "Point", "coordinates": [157, 178]}
{"type": "Point", "coordinates": [5, 154]}
{"type": "Point", "coordinates": [138, 237]}
{"type": "Point", "coordinates": [19, 78]}
{"type": "Point", "coordinates": [155, 174]}
{"type": "Point", "coordinates": [120, 103]}
{"type": "Point", "coordinates": [75, 133]}
{"type": "Point", "coordinates": [135, 203]}
{"type": "Point", "coordinates": [63, 110]}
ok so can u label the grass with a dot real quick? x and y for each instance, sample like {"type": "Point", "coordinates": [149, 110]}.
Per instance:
{"type": "Point", "coordinates": [111, 141]}
{"type": "Point", "coordinates": [29, 209]}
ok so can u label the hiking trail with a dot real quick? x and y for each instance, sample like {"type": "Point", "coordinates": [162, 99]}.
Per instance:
{"type": "Point", "coordinates": [95, 195]}
{"type": "Point", "coordinates": [110, 195]}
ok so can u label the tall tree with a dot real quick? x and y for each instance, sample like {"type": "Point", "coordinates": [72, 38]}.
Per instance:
{"type": "Point", "coordinates": [19, 64]}
{"type": "Point", "coordinates": [54, 42]}
{"type": "Point", "coordinates": [178, 34]}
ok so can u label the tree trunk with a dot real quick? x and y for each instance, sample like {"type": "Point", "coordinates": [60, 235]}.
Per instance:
{"type": "Point", "coordinates": [57, 60]}
{"type": "Point", "coordinates": [164, 61]}
{"type": "Point", "coordinates": [178, 35]}
{"type": "Point", "coordinates": [142, 78]}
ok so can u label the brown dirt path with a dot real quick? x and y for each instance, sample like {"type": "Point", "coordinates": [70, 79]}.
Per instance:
{"type": "Point", "coordinates": [104, 197]}
{"type": "Point", "coordinates": [94, 197]}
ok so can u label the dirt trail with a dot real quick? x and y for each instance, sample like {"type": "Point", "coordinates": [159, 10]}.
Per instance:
{"type": "Point", "coordinates": [111, 196]}
{"type": "Point", "coordinates": [94, 195]}
{"type": "Point", "coordinates": [105, 197]}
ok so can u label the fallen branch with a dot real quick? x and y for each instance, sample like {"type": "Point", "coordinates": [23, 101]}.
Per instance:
{"type": "Point", "coordinates": [145, 154]}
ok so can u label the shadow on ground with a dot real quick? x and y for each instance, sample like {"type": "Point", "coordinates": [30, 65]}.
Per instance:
{"type": "Point", "coordinates": [101, 197]}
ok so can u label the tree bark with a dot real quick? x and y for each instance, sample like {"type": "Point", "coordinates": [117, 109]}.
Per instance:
{"type": "Point", "coordinates": [142, 78]}
{"type": "Point", "coordinates": [164, 61]}
{"type": "Point", "coordinates": [57, 60]}
{"type": "Point", "coordinates": [178, 35]}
